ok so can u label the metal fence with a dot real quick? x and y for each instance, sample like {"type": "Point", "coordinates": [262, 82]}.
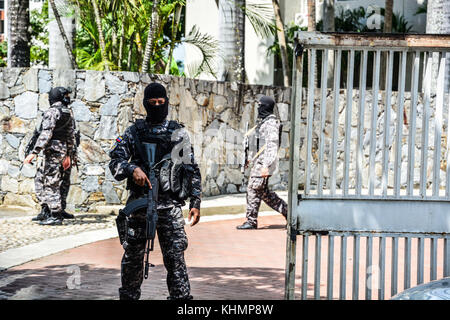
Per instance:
{"type": "Point", "coordinates": [375, 164]}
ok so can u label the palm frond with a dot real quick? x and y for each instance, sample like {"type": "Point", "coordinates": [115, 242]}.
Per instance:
{"type": "Point", "coordinates": [207, 45]}
{"type": "Point", "coordinates": [261, 17]}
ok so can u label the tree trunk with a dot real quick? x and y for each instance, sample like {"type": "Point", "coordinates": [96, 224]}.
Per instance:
{"type": "Point", "coordinates": [176, 22]}
{"type": "Point", "coordinates": [63, 34]}
{"type": "Point", "coordinates": [388, 7]}
{"type": "Point", "coordinates": [282, 42]}
{"type": "Point", "coordinates": [329, 26]}
{"type": "Point", "coordinates": [122, 41]}
{"type": "Point", "coordinates": [438, 21]}
{"type": "Point", "coordinates": [130, 52]}
{"type": "Point", "coordinates": [101, 38]}
{"type": "Point", "coordinates": [312, 27]}
{"type": "Point", "coordinates": [311, 15]}
{"type": "Point", "coordinates": [19, 35]}
{"type": "Point", "coordinates": [240, 35]}
{"type": "Point", "coordinates": [232, 40]}
{"type": "Point", "coordinates": [153, 26]}
{"type": "Point", "coordinates": [328, 16]}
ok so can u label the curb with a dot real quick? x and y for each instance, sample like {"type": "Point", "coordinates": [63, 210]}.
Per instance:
{"type": "Point", "coordinates": [17, 256]}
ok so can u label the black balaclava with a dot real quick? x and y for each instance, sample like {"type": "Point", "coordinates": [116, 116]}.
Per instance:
{"type": "Point", "coordinates": [58, 94]}
{"type": "Point", "coordinates": [157, 113]}
{"type": "Point", "coordinates": [266, 105]}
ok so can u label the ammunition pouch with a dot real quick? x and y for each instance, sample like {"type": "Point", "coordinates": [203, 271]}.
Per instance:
{"type": "Point", "coordinates": [121, 223]}
{"type": "Point", "coordinates": [186, 181]}
{"type": "Point", "coordinates": [131, 230]}
{"type": "Point", "coordinates": [176, 177]}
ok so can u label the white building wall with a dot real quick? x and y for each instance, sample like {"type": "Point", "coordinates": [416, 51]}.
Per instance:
{"type": "Point", "coordinates": [292, 9]}
{"type": "Point", "coordinates": [258, 65]}
{"type": "Point", "coordinates": [205, 14]}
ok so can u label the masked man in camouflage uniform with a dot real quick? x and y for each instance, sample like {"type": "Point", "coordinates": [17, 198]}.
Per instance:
{"type": "Point", "coordinates": [58, 143]}
{"type": "Point", "coordinates": [266, 134]}
{"type": "Point", "coordinates": [127, 163]}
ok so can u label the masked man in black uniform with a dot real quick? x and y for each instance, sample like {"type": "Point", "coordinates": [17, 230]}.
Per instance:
{"type": "Point", "coordinates": [127, 163]}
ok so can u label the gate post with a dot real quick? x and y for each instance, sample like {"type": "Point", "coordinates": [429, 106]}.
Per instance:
{"type": "Point", "coordinates": [294, 163]}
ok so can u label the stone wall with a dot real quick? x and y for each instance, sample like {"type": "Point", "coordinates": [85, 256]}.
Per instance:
{"type": "Point", "coordinates": [104, 105]}
{"type": "Point", "coordinates": [366, 140]}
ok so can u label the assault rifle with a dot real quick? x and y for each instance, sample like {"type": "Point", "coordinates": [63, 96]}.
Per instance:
{"type": "Point", "coordinates": [246, 147]}
{"type": "Point", "coordinates": [32, 141]}
{"type": "Point", "coordinates": [30, 146]}
{"type": "Point", "coordinates": [149, 204]}
{"type": "Point", "coordinates": [152, 198]}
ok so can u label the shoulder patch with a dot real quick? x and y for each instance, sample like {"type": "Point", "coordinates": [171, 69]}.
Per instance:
{"type": "Point", "coordinates": [118, 140]}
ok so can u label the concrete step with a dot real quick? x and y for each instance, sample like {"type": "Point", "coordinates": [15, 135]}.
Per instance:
{"type": "Point", "coordinates": [223, 204]}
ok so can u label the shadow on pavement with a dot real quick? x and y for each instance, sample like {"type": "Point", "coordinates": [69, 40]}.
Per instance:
{"type": "Point", "coordinates": [86, 282]}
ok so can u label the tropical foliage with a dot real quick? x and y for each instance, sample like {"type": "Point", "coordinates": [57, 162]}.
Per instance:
{"type": "Point", "coordinates": [39, 35]}
{"type": "Point", "coordinates": [124, 29]}
{"type": "Point", "coordinates": [3, 53]}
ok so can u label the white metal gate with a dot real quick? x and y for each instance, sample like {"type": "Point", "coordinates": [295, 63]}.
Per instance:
{"type": "Point", "coordinates": [369, 165]}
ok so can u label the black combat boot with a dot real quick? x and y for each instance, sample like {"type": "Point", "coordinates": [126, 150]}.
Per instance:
{"type": "Point", "coordinates": [246, 225]}
{"type": "Point", "coordinates": [55, 219]}
{"type": "Point", "coordinates": [44, 214]}
{"type": "Point", "coordinates": [189, 297]}
{"type": "Point", "coordinates": [66, 215]}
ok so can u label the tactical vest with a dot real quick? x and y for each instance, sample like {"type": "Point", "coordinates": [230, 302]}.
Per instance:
{"type": "Point", "coordinates": [64, 126]}
{"type": "Point", "coordinates": [170, 176]}
{"type": "Point", "coordinates": [163, 140]}
{"type": "Point", "coordinates": [260, 140]}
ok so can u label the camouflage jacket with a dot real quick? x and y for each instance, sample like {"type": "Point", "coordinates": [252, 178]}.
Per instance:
{"type": "Point", "coordinates": [125, 158]}
{"type": "Point", "coordinates": [268, 134]}
{"type": "Point", "coordinates": [45, 141]}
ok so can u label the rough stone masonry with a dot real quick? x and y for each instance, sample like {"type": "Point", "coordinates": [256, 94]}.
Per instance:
{"type": "Point", "coordinates": [215, 114]}
{"type": "Point", "coordinates": [104, 105]}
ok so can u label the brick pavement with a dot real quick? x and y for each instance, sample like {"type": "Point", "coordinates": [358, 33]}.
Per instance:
{"type": "Point", "coordinates": [223, 263]}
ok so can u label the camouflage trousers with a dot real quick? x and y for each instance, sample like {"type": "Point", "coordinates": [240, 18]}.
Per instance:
{"type": "Point", "coordinates": [173, 242]}
{"type": "Point", "coordinates": [52, 182]}
{"type": "Point", "coordinates": [257, 190]}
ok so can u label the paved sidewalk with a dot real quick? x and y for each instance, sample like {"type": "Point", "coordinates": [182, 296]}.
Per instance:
{"type": "Point", "coordinates": [223, 263]}
{"type": "Point", "coordinates": [22, 240]}
{"type": "Point", "coordinates": [81, 259]}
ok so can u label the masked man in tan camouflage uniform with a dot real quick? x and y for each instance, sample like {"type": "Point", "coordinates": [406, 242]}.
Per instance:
{"type": "Point", "coordinates": [266, 134]}
{"type": "Point", "coordinates": [58, 143]}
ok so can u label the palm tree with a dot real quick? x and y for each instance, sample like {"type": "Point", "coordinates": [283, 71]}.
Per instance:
{"type": "Point", "coordinates": [388, 8]}
{"type": "Point", "coordinates": [175, 26]}
{"type": "Point", "coordinates": [153, 26]}
{"type": "Point", "coordinates": [329, 26]}
{"type": "Point", "coordinates": [100, 34]}
{"type": "Point", "coordinates": [232, 14]}
{"type": "Point", "coordinates": [231, 39]}
{"type": "Point", "coordinates": [438, 13]}
{"type": "Point", "coordinates": [18, 33]}
{"type": "Point", "coordinates": [130, 38]}
{"type": "Point", "coordinates": [311, 15]}
{"type": "Point", "coordinates": [63, 34]}
{"type": "Point", "coordinates": [282, 41]}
